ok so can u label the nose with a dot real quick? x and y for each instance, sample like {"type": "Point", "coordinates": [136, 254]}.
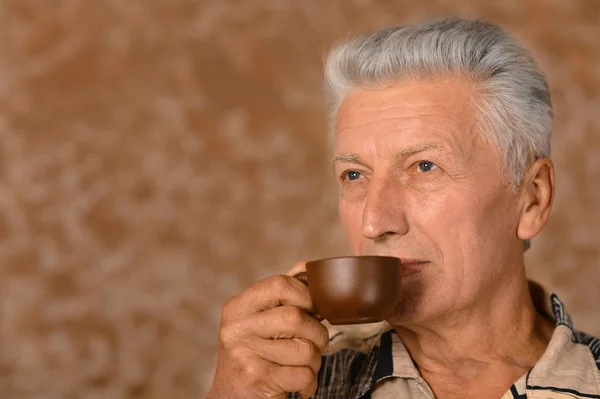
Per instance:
{"type": "Point", "coordinates": [384, 213]}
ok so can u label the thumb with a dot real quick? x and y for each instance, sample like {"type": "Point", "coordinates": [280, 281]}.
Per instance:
{"type": "Point", "coordinates": [298, 267]}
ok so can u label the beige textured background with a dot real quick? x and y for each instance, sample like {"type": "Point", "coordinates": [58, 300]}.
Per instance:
{"type": "Point", "coordinates": [159, 156]}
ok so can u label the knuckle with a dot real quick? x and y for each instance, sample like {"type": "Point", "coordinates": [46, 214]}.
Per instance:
{"type": "Point", "coordinates": [228, 308]}
{"type": "Point", "coordinates": [230, 333]}
{"type": "Point", "coordinates": [254, 372]}
{"type": "Point", "coordinates": [305, 376]}
{"type": "Point", "coordinates": [239, 354]}
{"type": "Point", "coordinates": [280, 283]}
{"type": "Point", "coordinates": [225, 337]}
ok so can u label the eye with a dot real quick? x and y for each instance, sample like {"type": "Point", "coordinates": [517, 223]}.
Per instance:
{"type": "Point", "coordinates": [426, 166]}
{"type": "Point", "coordinates": [351, 175]}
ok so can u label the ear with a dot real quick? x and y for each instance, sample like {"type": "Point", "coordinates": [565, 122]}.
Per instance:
{"type": "Point", "coordinates": [537, 195]}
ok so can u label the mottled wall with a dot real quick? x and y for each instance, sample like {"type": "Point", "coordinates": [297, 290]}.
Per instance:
{"type": "Point", "coordinates": [158, 156]}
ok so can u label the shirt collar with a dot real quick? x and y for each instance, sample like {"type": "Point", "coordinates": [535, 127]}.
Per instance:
{"type": "Point", "coordinates": [568, 364]}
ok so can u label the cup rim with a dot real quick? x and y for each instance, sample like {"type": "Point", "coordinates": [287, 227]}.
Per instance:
{"type": "Point", "coordinates": [354, 257]}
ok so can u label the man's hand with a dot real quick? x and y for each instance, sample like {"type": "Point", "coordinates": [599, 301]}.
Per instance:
{"type": "Point", "coordinates": [269, 344]}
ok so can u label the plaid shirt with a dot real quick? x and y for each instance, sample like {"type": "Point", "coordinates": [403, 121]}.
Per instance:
{"type": "Point", "coordinates": [356, 362]}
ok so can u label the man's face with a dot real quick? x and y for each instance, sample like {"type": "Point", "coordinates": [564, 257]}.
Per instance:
{"type": "Point", "coordinates": [417, 181]}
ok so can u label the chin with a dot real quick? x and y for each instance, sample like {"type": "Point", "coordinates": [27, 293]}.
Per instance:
{"type": "Point", "coordinates": [408, 310]}
{"type": "Point", "coordinates": [417, 304]}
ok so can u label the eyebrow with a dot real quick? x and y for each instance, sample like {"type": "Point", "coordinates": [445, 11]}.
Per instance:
{"type": "Point", "coordinates": [406, 152]}
{"type": "Point", "coordinates": [350, 158]}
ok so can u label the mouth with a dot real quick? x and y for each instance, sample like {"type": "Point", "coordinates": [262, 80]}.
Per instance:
{"type": "Point", "coordinates": [412, 266]}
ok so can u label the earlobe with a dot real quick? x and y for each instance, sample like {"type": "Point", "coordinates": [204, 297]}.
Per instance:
{"type": "Point", "coordinates": [537, 195]}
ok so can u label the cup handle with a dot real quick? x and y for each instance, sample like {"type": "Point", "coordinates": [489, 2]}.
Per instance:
{"type": "Point", "coordinates": [302, 276]}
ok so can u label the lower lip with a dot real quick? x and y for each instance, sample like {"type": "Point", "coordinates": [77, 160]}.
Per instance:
{"type": "Point", "coordinates": [409, 269]}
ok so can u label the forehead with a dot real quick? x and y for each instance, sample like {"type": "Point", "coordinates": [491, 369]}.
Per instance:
{"type": "Point", "coordinates": [441, 108]}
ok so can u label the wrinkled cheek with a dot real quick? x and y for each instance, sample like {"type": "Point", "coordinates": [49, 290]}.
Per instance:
{"type": "Point", "coordinates": [351, 219]}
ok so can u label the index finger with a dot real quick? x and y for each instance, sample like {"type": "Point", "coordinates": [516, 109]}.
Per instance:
{"type": "Point", "coordinates": [279, 290]}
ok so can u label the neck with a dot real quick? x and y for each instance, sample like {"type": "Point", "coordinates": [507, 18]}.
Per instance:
{"type": "Point", "coordinates": [502, 334]}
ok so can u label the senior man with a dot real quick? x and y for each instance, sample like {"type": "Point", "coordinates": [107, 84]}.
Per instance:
{"type": "Point", "coordinates": [442, 146]}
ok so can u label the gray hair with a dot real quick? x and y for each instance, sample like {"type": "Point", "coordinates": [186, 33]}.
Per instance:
{"type": "Point", "coordinates": [515, 112]}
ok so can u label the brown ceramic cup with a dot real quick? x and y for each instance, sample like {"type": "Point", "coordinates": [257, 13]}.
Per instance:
{"type": "Point", "coordinates": [353, 289]}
